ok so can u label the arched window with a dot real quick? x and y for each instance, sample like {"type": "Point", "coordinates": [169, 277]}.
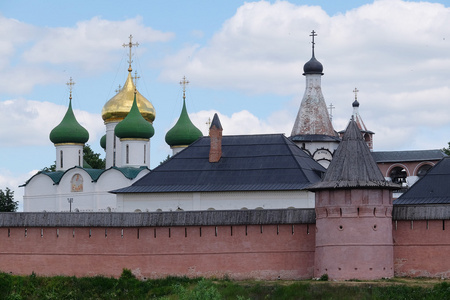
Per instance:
{"type": "Point", "coordinates": [61, 158]}
{"type": "Point", "coordinates": [398, 175]}
{"type": "Point", "coordinates": [128, 154]}
{"type": "Point", "coordinates": [79, 158]}
{"type": "Point", "coordinates": [423, 170]}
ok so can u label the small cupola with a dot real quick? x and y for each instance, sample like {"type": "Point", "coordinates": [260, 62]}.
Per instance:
{"type": "Point", "coordinates": [69, 138]}
{"type": "Point", "coordinates": [313, 66]}
{"type": "Point", "coordinates": [184, 132]}
{"type": "Point", "coordinates": [69, 130]}
{"type": "Point", "coordinates": [134, 126]}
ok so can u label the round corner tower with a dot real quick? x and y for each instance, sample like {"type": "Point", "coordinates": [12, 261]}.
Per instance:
{"type": "Point", "coordinates": [353, 215]}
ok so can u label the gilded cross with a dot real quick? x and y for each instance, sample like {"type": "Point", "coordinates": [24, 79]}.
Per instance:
{"type": "Point", "coordinates": [356, 93]}
{"type": "Point", "coordinates": [70, 84]}
{"type": "Point", "coordinates": [130, 45]}
{"type": "Point", "coordinates": [184, 82]}
{"type": "Point", "coordinates": [135, 78]}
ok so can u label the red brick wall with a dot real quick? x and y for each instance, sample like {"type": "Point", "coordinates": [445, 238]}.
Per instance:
{"type": "Point", "coordinates": [240, 252]}
{"type": "Point", "coordinates": [421, 248]}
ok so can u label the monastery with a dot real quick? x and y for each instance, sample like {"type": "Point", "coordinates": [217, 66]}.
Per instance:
{"type": "Point", "coordinates": [244, 206]}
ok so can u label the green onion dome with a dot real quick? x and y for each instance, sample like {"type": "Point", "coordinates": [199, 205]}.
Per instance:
{"type": "Point", "coordinates": [134, 126]}
{"type": "Point", "coordinates": [69, 130]}
{"type": "Point", "coordinates": [103, 142]}
{"type": "Point", "coordinates": [184, 132]}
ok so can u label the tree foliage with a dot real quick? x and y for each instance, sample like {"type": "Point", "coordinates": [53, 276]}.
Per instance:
{"type": "Point", "coordinates": [92, 158]}
{"type": "Point", "coordinates": [447, 150]}
{"type": "Point", "coordinates": [7, 203]}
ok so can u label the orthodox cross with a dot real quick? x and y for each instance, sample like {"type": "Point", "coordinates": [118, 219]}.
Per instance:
{"type": "Point", "coordinates": [331, 107]}
{"type": "Point", "coordinates": [130, 45]}
{"type": "Point", "coordinates": [135, 78]}
{"type": "Point", "coordinates": [184, 82]}
{"type": "Point", "coordinates": [70, 84]}
{"type": "Point", "coordinates": [313, 34]}
{"type": "Point", "coordinates": [118, 89]}
{"type": "Point", "coordinates": [208, 122]}
{"type": "Point", "coordinates": [356, 93]}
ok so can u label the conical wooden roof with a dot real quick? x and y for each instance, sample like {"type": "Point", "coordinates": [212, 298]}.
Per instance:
{"type": "Point", "coordinates": [353, 165]}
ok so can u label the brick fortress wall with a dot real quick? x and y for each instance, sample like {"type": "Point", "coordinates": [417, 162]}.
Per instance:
{"type": "Point", "coordinates": [265, 251]}
{"type": "Point", "coordinates": [262, 244]}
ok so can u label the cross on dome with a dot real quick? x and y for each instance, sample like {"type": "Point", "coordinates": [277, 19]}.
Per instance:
{"type": "Point", "coordinates": [313, 34]}
{"type": "Point", "coordinates": [184, 82]}
{"type": "Point", "coordinates": [130, 45]}
{"type": "Point", "coordinates": [356, 93]}
{"type": "Point", "coordinates": [135, 77]}
{"type": "Point", "coordinates": [70, 84]}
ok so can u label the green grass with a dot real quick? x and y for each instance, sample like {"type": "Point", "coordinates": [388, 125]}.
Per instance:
{"type": "Point", "coordinates": [183, 288]}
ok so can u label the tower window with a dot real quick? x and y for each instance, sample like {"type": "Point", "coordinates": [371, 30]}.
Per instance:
{"type": "Point", "coordinates": [61, 158]}
{"type": "Point", "coordinates": [128, 154]}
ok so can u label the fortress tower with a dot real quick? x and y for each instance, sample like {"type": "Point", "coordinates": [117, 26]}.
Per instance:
{"type": "Point", "coordinates": [353, 214]}
{"type": "Point", "coordinates": [313, 130]}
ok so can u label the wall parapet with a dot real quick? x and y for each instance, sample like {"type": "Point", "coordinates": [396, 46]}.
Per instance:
{"type": "Point", "coordinates": [159, 219]}
{"type": "Point", "coordinates": [200, 218]}
{"type": "Point", "coordinates": [421, 212]}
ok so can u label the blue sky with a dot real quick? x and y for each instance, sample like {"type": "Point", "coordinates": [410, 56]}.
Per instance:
{"type": "Point", "coordinates": [244, 60]}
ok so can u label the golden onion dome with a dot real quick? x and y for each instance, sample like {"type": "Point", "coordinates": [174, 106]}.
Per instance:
{"type": "Point", "coordinates": [118, 107]}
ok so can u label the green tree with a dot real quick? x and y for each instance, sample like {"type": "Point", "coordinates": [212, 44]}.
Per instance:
{"type": "Point", "coordinates": [92, 158]}
{"type": "Point", "coordinates": [7, 203]}
{"type": "Point", "coordinates": [447, 150]}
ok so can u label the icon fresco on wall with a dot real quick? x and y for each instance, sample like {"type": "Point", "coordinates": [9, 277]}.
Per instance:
{"type": "Point", "coordinates": [76, 183]}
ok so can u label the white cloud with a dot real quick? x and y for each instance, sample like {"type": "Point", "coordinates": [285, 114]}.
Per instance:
{"type": "Point", "coordinates": [91, 46]}
{"type": "Point", "coordinates": [395, 52]}
{"type": "Point", "coordinates": [29, 122]}
{"type": "Point", "coordinates": [243, 122]}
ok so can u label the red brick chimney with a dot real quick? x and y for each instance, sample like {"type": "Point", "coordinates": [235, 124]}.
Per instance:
{"type": "Point", "coordinates": [215, 135]}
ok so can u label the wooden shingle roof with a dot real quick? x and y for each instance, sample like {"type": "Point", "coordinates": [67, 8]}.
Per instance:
{"type": "Point", "coordinates": [353, 165]}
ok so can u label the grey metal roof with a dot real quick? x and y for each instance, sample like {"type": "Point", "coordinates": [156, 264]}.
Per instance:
{"type": "Point", "coordinates": [352, 165]}
{"type": "Point", "coordinates": [410, 155]}
{"type": "Point", "coordinates": [266, 162]}
{"type": "Point", "coordinates": [432, 188]}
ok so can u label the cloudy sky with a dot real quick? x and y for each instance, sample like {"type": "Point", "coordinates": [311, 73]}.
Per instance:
{"type": "Point", "coordinates": [243, 60]}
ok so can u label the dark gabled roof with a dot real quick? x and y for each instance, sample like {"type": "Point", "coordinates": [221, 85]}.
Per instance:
{"type": "Point", "coordinates": [432, 188]}
{"type": "Point", "coordinates": [128, 172]}
{"type": "Point", "coordinates": [268, 162]}
{"type": "Point", "coordinates": [314, 138]}
{"type": "Point", "coordinates": [352, 165]}
{"type": "Point", "coordinates": [403, 156]}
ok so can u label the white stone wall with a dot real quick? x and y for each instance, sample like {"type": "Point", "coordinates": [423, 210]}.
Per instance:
{"type": "Point", "coordinates": [214, 200]}
{"type": "Point", "coordinates": [41, 194]}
